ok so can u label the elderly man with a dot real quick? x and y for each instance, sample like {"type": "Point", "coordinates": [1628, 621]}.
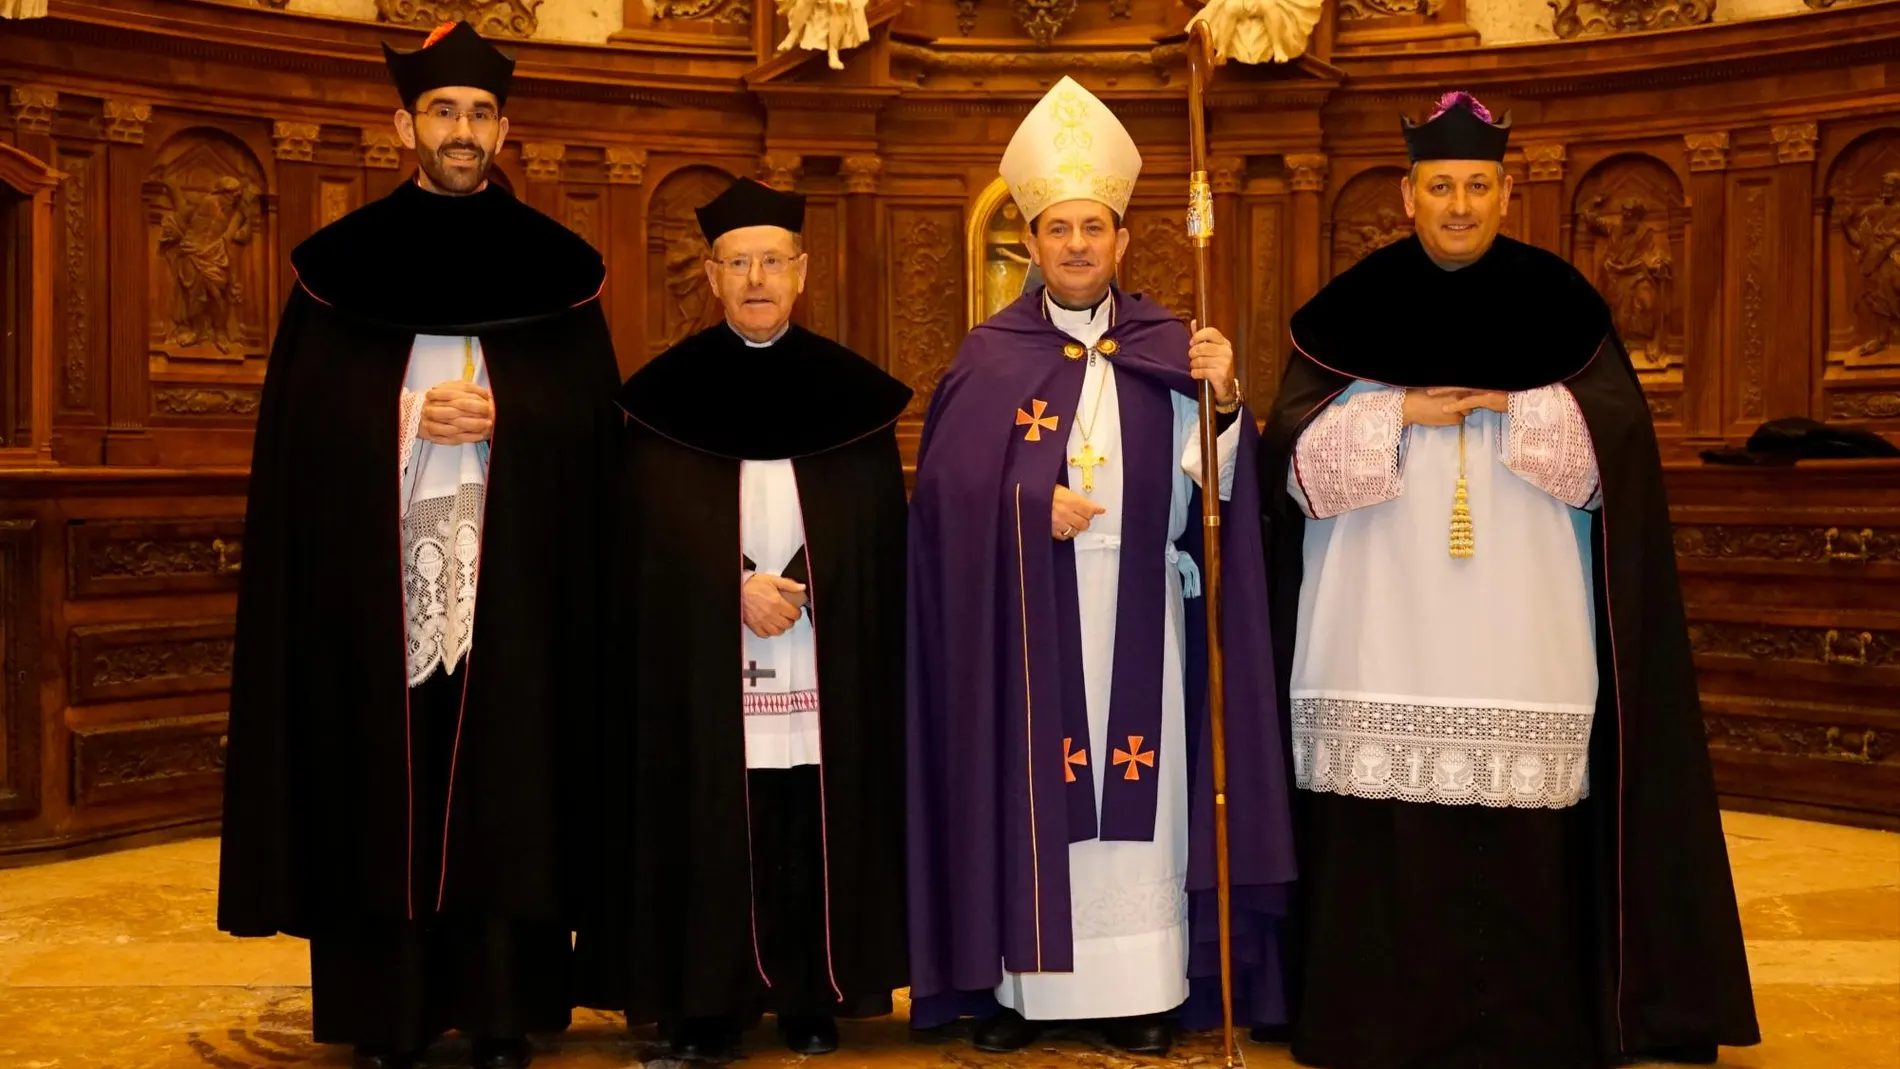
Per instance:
{"type": "Point", "coordinates": [1510, 849]}
{"type": "Point", "coordinates": [1060, 804]}
{"type": "Point", "coordinates": [398, 792]}
{"type": "Point", "coordinates": [761, 865]}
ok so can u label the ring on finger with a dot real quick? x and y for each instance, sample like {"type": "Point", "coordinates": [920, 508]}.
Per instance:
{"type": "Point", "coordinates": [1069, 531]}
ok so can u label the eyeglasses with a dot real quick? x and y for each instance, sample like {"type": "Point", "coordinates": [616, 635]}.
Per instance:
{"type": "Point", "coordinates": [478, 118]}
{"type": "Point", "coordinates": [742, 265]}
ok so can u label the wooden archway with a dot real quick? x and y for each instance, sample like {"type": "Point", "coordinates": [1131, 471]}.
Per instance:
{"type": "Point", "coordinates": [33, 182]}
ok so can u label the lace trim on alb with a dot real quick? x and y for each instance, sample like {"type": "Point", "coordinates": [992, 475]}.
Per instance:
{"type": "Point", "coordinates": [797, 701]}
{"type": "Point", "coordinates": [1453, 755]}
{"type": "Point", "coordinates": [441, 548]}
{"type": "Point", "coordinates": [1349, 457]}
{"type": "Point", "coordinates": [1132, 909]}
{"type": "Point", "coordinates": [1547, 444]}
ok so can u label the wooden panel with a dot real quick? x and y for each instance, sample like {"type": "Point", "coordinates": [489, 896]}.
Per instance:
{"type": "Point", "coordinates": [120, 558]}
{"type": "Point", "coordinates": [155, 759]}
{"type": "Point", "coordinates": [20, 723]}
{"type": "Point", "coordinates": [118, 662]}
{"type": "Point", "coordinates": [927, 283]}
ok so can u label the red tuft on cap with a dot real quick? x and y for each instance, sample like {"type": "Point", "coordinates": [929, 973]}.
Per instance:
{"type": "Point", "coordinates": [439, 33]}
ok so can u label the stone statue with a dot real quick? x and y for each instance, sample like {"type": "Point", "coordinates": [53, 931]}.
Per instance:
{"type": "Point", "coordinates": [1253, 31]}
{"type": "Point", "coordinates": [1874, 232]}
{"type": "Point", "coordinates": [828, 25]}
{"type": "Point", "coordinates": [1633, 269]}
{"type": "Point", "coordinates": [196, 235]}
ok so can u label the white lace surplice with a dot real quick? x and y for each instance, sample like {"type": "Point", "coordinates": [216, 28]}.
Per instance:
{"type": "Point", "coordinates": [779, 675]}
{"type": "Point", "coordinates": [1128, 900]}
{"type": "Point", "coordinates": [1429, 678]}
{"type": "Point", "coordinates": [442, 488]}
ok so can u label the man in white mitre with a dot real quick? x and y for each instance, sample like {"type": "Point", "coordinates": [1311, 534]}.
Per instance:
{"type": "Point", "coordinates": [1061, 810]}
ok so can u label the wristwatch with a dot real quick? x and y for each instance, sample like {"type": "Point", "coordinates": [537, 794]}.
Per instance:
{"type": "Point", "coordinates": [1228, 408]}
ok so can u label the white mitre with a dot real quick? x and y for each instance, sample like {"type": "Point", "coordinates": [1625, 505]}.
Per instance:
{"type": "Point", "coordinates": [1071, 147]}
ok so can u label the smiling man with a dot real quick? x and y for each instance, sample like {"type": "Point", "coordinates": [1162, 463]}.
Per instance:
{"type": "Point", "coordinates": [761, 865]}
{"type": "Point", "coordinates": [1510, 849]}
{"type": "Point", "coordinates": [437, 417]}
{"type": "Point", "coordinates": [1060, 807]}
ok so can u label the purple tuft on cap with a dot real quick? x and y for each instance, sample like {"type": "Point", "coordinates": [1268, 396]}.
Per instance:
{"type": "Point", "coordinates": [1459, 96]}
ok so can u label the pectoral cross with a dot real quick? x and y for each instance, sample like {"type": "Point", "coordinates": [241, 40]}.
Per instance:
{"type": "Point", "coordinates": [1088, 461]}
{"type": "Point", "coordinates": [753, 673]}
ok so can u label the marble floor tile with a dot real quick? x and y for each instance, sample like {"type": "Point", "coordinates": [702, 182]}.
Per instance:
{"type": "Point", "coordinates": [115, 962]}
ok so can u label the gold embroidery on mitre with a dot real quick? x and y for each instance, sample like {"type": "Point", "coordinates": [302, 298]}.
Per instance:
{"type": "Point", "coordinates": [1070, 147]}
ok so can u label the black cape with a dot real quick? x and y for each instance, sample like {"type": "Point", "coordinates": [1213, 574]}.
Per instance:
{"type": "Point", "coordinates": [1518, 319]}
{"type": "Point", "coordinates": [675, 938]}
{"type": "Point", "coordinates": [320, 830]}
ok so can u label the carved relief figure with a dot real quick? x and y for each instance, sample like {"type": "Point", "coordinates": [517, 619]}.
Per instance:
{"type": "Point", "coordinates": [196, 235]}
{"type": "Point", "coordinates": [1874, 232]}
{"type": "Point", "coordinates": [681, 302]}
{"type": "Point", "coordinates": [1365, 236]}
{"type": "Point", "coordinates": [1633, 268]}
{"type": "Point", "coordinates": [1368, 216]}
{"type": "Point", "coordinates": [824, 25]}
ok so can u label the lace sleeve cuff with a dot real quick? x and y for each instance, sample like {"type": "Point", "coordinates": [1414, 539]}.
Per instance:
{"type": "Point", "coordinates": [1349, 458]}
{"type": "Point", "coordinates": [1547, 444]}
{"type": "Point", "coordinates": [409, 425]}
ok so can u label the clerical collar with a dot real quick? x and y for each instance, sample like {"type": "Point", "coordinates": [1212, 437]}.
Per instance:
{"type": "Point", "coordinates": [767, 343]}
{"type": "Point", "coordinates": [1068, 319]}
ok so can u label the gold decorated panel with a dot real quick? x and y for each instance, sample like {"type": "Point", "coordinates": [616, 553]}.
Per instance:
{"type": "Point", "coordinates": [120, 662]}
{"type": "Point", "coordinates": [151, 759]}
{"type": "Point", "coordinates": [117, 558]}
{"type": "Point", "coordinates": [928, 302]}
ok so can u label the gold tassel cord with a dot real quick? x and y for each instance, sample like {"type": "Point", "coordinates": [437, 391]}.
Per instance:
{"type": "Point", "coordinates": [468, 359]}
{"type": "Point", "coordinates": [1461, 542]}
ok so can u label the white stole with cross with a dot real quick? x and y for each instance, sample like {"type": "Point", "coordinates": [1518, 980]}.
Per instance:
{"type": "Point", "coordinates": [778, 677]}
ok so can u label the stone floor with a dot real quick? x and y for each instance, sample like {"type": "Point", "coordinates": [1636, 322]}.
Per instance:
{"type": "Point", "coordinates": [116, 963]}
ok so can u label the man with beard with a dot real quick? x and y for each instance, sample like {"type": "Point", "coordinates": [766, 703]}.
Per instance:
{"type": "Point", "coordinates": [1510, 850]}
{"type": "Point", "coordinates": [762, 867]}
{"type": "Point", "coordinates": [398, 792]}
{"type": "Point", "coordinates": [1061, 803]}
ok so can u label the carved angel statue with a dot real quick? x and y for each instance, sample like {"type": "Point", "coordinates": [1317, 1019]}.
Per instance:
{"type": "Point", "coordinates": [1255, 30]}
{"type": "Point", "coordinates": [830, 25]}
{"type": "Point", "coordinates": [1874, 232]}
{"type": "Point", "coordinates": [196, 235]}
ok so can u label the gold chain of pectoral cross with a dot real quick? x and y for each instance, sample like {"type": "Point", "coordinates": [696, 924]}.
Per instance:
{"type": "Point", "coordinates": [468, 359]}
{"type": "Point", "coordinates": [1088, 459]}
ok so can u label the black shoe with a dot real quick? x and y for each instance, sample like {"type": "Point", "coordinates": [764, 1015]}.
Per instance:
{"type": "Point", "coordinates": [1271, 1033]}
{"type": "Point", "coordinates": [1687, 1054]}
{"type": "Point", "coordinates": [809, 1035]}
{"type": "Point", "coordinates": [376, 1056]}
{"type": "Point", "coordinates": [703, 1039]}
{"type": "Point", "coordinates": [1005, 1032]}
{"type": "Point", "coordinates": [501, 1054]}
{"type": "Point", "coordinates": [1150, 1034]}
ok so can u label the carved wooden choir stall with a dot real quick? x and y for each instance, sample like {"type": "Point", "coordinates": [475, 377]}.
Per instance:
{"type": "Point", "coordinates": [1732, 187]}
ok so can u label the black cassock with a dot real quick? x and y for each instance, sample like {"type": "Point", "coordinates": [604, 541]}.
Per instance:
{"type": "Point", "coordinates": [427, 841]}
{"type": "Point", "coordinates": [1456, 936]}
{"type": "Point", "coordinates": [732, 893]}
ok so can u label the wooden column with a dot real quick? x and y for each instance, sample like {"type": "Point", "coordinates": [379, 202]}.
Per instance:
{"type": "Point", "coordinates": [34, 107]}
{"type": "Point", "coordinates": [385, 162]}
{"type": "Point", "coordinates": [541, 162]}
{"type": "Point", "coordinates": [127, 441]}
{"type": "Point", "coordinates": [1702, 385]}
{"type": "Point", "coordinates": [295, 145]}
{"type": "Point", "coordinates": [862, 318]}
{"type": "Point", "coordinates": [1306, 176]}
{"type": "Point", "coordinates": [1227, 174]}
{"type": "Point", "coordinates": [1542, 199]}
{"type": "Point", "coordinates": [626, 254]}
{"type": "Point", "coordinates": [1790, 384]}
